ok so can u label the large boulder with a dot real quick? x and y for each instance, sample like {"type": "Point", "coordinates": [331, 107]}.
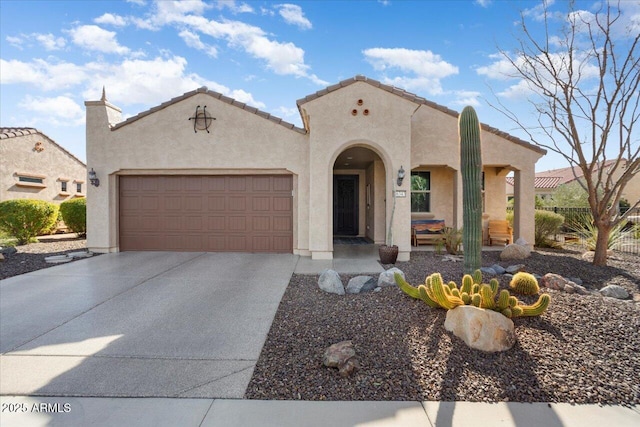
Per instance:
{"type": "Point", "coordinates": [515, 251]}
{"type": "Point", "coordinates": [386, 277]}
{"type": "Point", "coordinates": [485, 330]}
{"type": "Point", "coordinates": [360, 284]}
{"type": "Point", "coordinates": [329, 281]}
{"type": "Point", "coordinates": [614, 291]}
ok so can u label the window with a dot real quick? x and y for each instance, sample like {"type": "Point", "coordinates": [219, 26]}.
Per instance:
{"type": "Point", "coordinates": [420, 191]}
{"type": "Point", "coordinates": [31, 179]}
{"type": "Point", "coordinates": [79, 187]}
{"type": "Point", "coordinates": [63, 186]}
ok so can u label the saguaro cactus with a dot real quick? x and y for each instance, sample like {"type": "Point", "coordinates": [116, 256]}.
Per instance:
{"type": "Point", "coordinates": [471, 168]}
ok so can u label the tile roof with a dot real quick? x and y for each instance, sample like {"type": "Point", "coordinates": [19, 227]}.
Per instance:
{"type": "Point", "coordinates": [216, 95]}
{"type": "Point", "coordinates": [570, 173]}
{"type": "Point", "coordinates": [417, 99]}
{"type": "Point", "coordinates": [541, 182]}
{"type": "Point", "coordinates": [6, 133]}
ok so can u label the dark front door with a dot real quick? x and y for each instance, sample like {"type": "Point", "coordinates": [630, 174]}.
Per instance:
{"type": "Point", "coordinates": [345, 205]}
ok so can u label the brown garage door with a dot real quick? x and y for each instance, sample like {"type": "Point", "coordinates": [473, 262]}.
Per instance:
{"type": "Point", "coordinates": [233, 213]}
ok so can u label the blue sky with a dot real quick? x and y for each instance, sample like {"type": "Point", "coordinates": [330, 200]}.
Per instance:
{"type": "Point", "coordinates": [54, 55]}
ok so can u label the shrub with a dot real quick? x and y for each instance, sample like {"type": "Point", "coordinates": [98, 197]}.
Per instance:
{"type": "Point", "coordinates": [74, 215]}
{"type": "Point", "coordinates": [25, 219]}
{"type": "Point", "coordinates": [585, 229]}
{"type": "Point", "coordinates": [547, 223]}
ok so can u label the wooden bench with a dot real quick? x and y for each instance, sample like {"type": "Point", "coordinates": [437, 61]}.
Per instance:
{"type": "Point", "coordinates": [500, 231]}
{"type": "Point", "coordinates": [427, 231]}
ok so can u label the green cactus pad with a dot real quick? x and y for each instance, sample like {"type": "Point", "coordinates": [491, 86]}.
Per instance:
{"type": "Point", "coordinates": [467, 283]}
{"type": "Point", "coordinates": [538, 307]}
{"type": "Point", "coordinates": [503, 300]}
{"type": "Point", "coordinates": [487, 297]}
{"type": "Point", "coordinates": [477, 276]}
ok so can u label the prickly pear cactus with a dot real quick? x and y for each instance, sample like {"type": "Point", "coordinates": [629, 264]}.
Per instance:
{"type": "Point", "coordinates": [471, 168]}
{"type": "Point", "coordinates": [524, 283]}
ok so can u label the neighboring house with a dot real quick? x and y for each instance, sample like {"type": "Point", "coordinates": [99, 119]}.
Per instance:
{"type": "Point", "coordinates": [203, 172]}
{"type": "Point", "coordinates": [544, 186]}
{"type": "Point", "coordinates": [33, 166]}
{"type": "Point", "coordinates": [548, 181]}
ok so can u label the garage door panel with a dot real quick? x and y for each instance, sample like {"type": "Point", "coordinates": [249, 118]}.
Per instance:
{"type": "Point", "coordinates": [206, 213]}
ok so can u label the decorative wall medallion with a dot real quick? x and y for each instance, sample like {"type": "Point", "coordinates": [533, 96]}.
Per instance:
{"type": "Point", "coordinates": [201, 119]}
{"type": "Point", "coordinates": [39, 147]}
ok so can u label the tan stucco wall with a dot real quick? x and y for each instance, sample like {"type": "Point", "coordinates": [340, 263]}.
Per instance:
{"type": "Point", "coordinates": [54, 165]}
{"type": "Point", "coordinates": [164, 142]}
{"type": "Point", "coordinates": [386, 130]}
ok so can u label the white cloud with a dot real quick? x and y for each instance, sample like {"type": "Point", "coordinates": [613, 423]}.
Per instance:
{"type": "Point", "coordinates": [467, 97]}
{"type": "Point", "coordinates": [59, 110]}
{"type": "Point", "coordinates": [426, 69]}
{"type": "Point", "coordinates": [42, 74]}
{"type": "Point", "coordinates": [283, 58]}
{"type": "Point", "coordinates": [138, 2]}
{"type": "Point", "coordinates": [94, 38]}
{"type": "Point", "coordinates": [15, 41]}
{"type": "Point", "coordinates": [193, 40]}
{"type": "Point", "coordinates": [234, 6]}
{"type": "Point", "coordinates": [483, 3]}
{"type": "Point", "coordinates": [539, 11]}
{"type": "Point", "coordinates": [50, 42]}
{"type": "Point", "coordinates": [111, 19]}
{"type": "Point", "coordinates": [293, 14]}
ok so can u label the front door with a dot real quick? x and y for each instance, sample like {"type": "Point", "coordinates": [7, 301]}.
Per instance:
{"type": "Point", "coordinates": [345, 205]}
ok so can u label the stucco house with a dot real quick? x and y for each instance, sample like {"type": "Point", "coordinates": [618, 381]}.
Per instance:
{"type": "Point", "coordinates": [203, 172]}
{"type": "Point", "coordinates": [33, 166]}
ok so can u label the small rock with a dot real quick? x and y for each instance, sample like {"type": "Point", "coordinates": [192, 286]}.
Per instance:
{"type": "Point", "coordinates": [349, 367]}
{"type": "Point", "coordinates": [576, 280]}
{"type": "Point", "coordinates": [329, 281]}
{"type": "Point", "coordinates": [377, 289]}
{"type": "Point", "coordinates": [481, 329]}
{"type": "Point", "coordinates": [361, 284]}
{"type": "Point", "coordinates": [614, 291]}
{"type": "Point", "coordinates": [488, 270]}
{"type": "Point", "coordinates": [554, 281]}
{"type": "Point", "coordinates": [514, 251]}
{"type": "Point", "coordinates": [581, 290]}
{"type": "Point", "coordinates": [1, 257]}
{"type": "Point", "coordinates": [522, 242]}
{"type": "Point", "coordinates": [498, 269]}
{"type": "Point", "coordinates": [636, 298]}
{"type": "Point", "coordinates": [386, 277]}
{"type": "Point", "coordinates": [9, 250]}
{"type": "Point", "coordinates": [516, 268]}
{"type": "Point", "coordinates": [569, 288]}
{"type": "Point", "coordinates": [338, 354]}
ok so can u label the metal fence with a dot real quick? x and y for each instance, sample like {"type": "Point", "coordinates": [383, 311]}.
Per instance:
{"type": "Point", "coordinates": [628, 239]}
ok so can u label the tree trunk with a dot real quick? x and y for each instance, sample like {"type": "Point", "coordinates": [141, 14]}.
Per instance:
{"type": "Point", "coordinates": [600, 256]}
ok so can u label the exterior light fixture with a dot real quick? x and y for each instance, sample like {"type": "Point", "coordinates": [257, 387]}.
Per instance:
{"type": "Point", "coordinates": [400, 176]}
{"type": "Point", "coordinates": [93, 178]}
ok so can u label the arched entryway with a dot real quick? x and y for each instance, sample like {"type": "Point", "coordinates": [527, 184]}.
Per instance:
{"type": "Point", "coordinates": [359, 185]}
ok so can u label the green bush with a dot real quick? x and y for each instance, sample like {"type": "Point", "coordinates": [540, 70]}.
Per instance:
{"type": "Point", "coordinates": [547, 223]}
{"type": "Point", "coordinates": [74, 215]}
{"type": "Point", "coordinates": [25, 219]}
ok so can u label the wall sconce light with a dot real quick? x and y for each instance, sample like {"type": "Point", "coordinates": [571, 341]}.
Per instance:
{"type": "Point", "coordinates": [93, 178]}
{"type": "Point", "coordinates": [400, 176]}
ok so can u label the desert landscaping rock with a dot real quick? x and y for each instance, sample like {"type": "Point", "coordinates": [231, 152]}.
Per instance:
{"type": "Point", "coordinates": [9, 250]}
{"type": "Point", "coordinates": [330, 282]}
{"type": "Point", "coordinates": [386, 278]}
{"type": "Point", "coordinates": [498, 269]}
{"type": "Point", "coordinates": [554, 281]}
{"type": "Point", "coordinates": [361, 284]}
{"type": "Point", "coordinates": [583, 349]}
{"type": "Point", "coordinates": [484, 330]}
{"type": "Point", "coordinates": [514, 251]}
{"type": "Point", "coordinates": [513, 269]}
{"type": "Point", "coordinates": [488, 270]}
{"type": "Point", "coordinates": [614, 291]}
{"type": "Point", "coordinates": [341, 355]}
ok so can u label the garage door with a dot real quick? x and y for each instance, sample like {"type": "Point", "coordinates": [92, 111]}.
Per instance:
{"type": "Point", "coordinates": [206, 213]}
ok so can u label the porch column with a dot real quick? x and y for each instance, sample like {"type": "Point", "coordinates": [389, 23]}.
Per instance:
{"type": "Point", "coordinates": [320, 207]}
{"type": "Point", "coordinates": [524, 205]}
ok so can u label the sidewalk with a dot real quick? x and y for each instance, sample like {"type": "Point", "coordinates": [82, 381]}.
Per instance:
{"type": "Point", "coordinates": [101, 412]}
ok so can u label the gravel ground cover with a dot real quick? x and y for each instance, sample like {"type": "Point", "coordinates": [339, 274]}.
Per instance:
{"type": "Point", "coordinates": [31, 257]}
{"type": "Point", "coordinates": [584, 349]}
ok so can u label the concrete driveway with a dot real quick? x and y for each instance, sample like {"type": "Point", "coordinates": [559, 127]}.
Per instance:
{"type": "Point", "coordinates": [140, 324]}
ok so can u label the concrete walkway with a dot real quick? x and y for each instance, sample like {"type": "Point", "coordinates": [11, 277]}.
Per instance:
{"type": "Point", "coordinates": [157, 412]}
{"type": "Point", "coordinates": [140, 324]}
